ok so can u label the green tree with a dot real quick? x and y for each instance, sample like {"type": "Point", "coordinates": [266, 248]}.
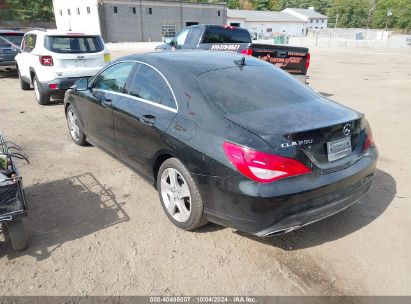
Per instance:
{"type": "Point", "coordinates": [261, 5]}
{"type": "Point", "coordinates": [400, 14]}
{"type": "Point", "coordinates": [233, 4]}
{"type": "Point", "coordinates": [28, 10]}
{"type": "Point", "coordinates": [351, 13]}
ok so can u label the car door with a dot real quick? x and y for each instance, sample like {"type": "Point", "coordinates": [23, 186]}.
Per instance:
{"type": "Point", "coordinates": [141, 117]}
{"type": "Point", "coordinates": [24, 58]}
{"type": "Point", "coordinates": [95, 106]}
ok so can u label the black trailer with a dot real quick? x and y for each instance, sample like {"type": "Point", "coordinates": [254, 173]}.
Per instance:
{"type": "Point", "coordinates": [13, 206]}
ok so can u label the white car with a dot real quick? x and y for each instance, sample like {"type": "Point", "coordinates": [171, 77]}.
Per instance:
{"type": "Point", "coordinates": [51, 61]}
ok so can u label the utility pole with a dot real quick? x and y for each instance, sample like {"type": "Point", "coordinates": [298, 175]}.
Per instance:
{"type": "Point", "coordinates": [369, 16]}
{"type": "Point", "coordinates": [336, 22]}
{"type": "Point", "coordinates": [389, 14]}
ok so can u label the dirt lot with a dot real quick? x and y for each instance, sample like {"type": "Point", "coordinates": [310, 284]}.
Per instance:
{"type": "Point", "coordinates": [97, 228]}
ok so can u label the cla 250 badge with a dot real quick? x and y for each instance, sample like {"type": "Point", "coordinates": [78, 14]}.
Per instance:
{"type": "Point", "coordinates": [297, 143]}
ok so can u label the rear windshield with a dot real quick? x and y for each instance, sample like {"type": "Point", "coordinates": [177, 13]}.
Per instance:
{"type": "Point", "coordinates": [14, 38]}
{"type": "Point", "coordinates": [250, 88]}
{"type": "Point", "coordinates": [226, 35]}
{"type": "Point", "coordinates": [74, 44]}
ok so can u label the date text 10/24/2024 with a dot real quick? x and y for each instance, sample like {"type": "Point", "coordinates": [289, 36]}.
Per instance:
{"type": "Point", "coordinates": [202, 299]}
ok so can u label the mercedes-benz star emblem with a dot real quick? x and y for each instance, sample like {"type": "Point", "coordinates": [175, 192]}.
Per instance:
{"type": "Point", "coordinates": [347, 129]}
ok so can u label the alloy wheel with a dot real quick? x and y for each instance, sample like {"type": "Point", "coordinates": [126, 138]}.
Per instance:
{"type": "Point", "coordinates": [176, 194]}
{"type": "Point", "coordinates": [73, 125]}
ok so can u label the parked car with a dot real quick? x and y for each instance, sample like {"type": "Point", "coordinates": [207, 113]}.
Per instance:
{"type": "Point", "coordinates": [51, 61]}
{"type": "Point", "coordinates": [226, 138]}
{"type": "Point", "coordinates": [10, 41]}
{"type": "Point", "coordinates": [295, 60]}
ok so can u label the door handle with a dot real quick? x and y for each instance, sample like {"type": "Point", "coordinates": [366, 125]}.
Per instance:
{"type": "Point", "coordinates": [148, 119]}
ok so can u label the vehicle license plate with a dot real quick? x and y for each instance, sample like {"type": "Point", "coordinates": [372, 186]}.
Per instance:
{"type": "Point", "coordinates": [339, 148]}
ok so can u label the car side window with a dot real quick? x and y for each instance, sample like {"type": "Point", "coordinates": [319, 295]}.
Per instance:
{"type": "Point", "coordinates": [148, 84]}
{"type": "Point", "coordinates": [114, 78]}
{"type": "Point", "coordinates": [29, 43]}
{"type": "Point", "coordinates": [181, 38]}
{"type": "Point", "coordinates": [194, 36]}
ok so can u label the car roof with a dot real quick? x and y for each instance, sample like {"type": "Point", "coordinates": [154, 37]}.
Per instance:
{"type": "Point", "coordinates": [6, 31]}
{"type": "Point", "coordinates": [195, 61]}
{"type": "Point", "coordinates": [54, 32]}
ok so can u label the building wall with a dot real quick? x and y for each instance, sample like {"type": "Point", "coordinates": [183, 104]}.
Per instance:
{"type": "Point", "coordinates": [81, 20]}
{"type": "Point", "coordinates": [239, 21]}
{"type": "Point", "coordinates": [290, 28]}
{"type": "Point", "coordinates": [321, 24]}
{"type": "Point", "coordinates": [133, 20]}
{"type": "Point", "coordinates": [125, 25]}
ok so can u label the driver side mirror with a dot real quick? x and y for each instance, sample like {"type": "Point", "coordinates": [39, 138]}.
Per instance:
{"type": "Point", "coordinates": [81, 85]}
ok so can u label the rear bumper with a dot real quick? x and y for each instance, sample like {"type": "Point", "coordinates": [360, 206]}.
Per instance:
{"type": "Point", "coordinates": [8, 64]}
{"type": "Point", "coordinates": [285, 205]}
{"type": "Point", "coordinates": [62, 85]}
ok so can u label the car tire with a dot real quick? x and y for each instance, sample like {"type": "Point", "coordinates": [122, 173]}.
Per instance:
{"type": "Point", "coordinates": [185, 211]}
{"type": "Point", "coordinates": [41, 97]}
{"type": "Point", "coordinates": [17, 235]}
{"type": "Point", "coordinates": [76, 132]}
{"type": "Point", "coordinates": [23, 85]}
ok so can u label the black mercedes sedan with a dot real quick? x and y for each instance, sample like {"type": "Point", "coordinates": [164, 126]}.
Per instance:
{"type": "Point", "coordinates": [226, 138]}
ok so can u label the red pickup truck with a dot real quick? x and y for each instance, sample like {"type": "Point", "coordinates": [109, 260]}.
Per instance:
{"type": "Point", "coordinates": [294, 60]}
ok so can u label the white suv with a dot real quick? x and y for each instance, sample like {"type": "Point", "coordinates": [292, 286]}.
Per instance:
{"type": "Point", "coordinates": [51, 61]}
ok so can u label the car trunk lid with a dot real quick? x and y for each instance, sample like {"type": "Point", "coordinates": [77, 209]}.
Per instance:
{"type": "Point", "coordinates": [325, 133]}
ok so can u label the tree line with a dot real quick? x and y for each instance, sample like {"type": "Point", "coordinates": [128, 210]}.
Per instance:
{"type": "Point", "coordinates": [393, 14]}
{"type": "Point", "coordinates": [342, 13]}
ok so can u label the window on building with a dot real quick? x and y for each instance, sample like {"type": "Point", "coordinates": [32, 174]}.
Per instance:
{"type": "Point", "coordinates": [316, 20]}
{"type": "Point", "coordinates": [134, 11]}
{"type": "Point", "coordinates": [322, 20]}
{"type": "Point", "coordinates": [88, 10]}
{"type": "Point", "coordinates": [115, 9]}
{"type": "Point", "coordinates": [61, 13]}
{"type": "Point", "coordinates": [269, 30]}
{"type": "Point", "coordinates": [68, 12]}
{"type": "Point", "coordinates": [150, 11]}
{"type": "Point", "coordinates": [168, 30]}
{"type": "Point", "coordinates": [311, 20]}
{"type": "Point", "coordinates": [78, 11]}
{"type": "Point", "coordinates": [219, 13]}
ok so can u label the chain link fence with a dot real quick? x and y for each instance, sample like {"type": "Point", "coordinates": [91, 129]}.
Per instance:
{"type": "Point", "coordinates": [352, 38]}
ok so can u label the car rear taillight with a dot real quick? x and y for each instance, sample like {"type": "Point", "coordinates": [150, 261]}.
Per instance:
{"type": "Point", "coordinates": [368, 142]}
{"type": "Point", "coordinates": [262, 167]}
{"type": "Point", "coordinates": [247, 51]}
{"type": "Point", "coordinates": [46, 60]}
{"type": "Point", "coordinates": [53, 86]}
{"type": "Point", "coordinates": [307, 62]}
{"type": "Point", "coordinates": [228, 27]}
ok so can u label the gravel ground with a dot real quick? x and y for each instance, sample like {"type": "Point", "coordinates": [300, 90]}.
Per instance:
{"type": "Point", "coordinates": [97, 228]}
